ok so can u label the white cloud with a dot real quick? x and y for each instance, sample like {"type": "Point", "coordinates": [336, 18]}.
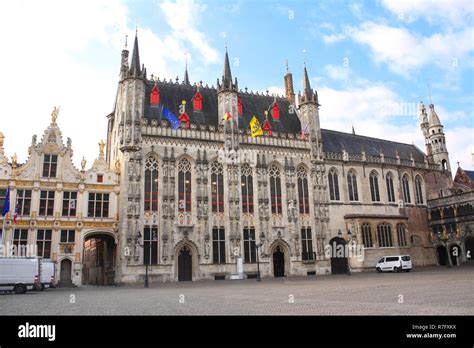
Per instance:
{"type": "Point", "coordinates": [68, 54]}
{"type": "Point", "coordinates": [276, 90]}
{"type": "Point", "coordinates": [338, 72]}
{"type": "Point", "coordinates": [455, 13]}
{"type": "Point", "coordinates": [332, 38]}
{"type": "Point", "coordinates": [404, 52]}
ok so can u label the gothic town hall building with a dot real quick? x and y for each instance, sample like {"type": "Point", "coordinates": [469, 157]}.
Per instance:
{"type": "Point", "coordinates": [194, 195]}
{"type": "Point", "coordinates": [195, 199]}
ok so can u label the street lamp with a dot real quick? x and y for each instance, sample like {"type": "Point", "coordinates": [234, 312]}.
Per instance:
{"type": "Point", "coordinates": [146, 264]}
{"type": "Point", "coordinates": [258, 246]}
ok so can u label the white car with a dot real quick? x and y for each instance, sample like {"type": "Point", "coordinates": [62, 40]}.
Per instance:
{"type": "Point", "coordinates": [396, 263]}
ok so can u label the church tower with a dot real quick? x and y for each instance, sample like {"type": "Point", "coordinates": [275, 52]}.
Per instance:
{"type": "Point", "coordinates": [289, 91]}
{"type": "Point", "coordinates": [438, 140]}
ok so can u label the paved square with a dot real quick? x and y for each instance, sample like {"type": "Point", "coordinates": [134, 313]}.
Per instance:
{"type": "Point", "coordinates": [424, 291]}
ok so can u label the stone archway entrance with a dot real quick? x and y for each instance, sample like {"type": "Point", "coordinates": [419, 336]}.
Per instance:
{"type": "Point", "coordinates": [185, 264]}
{"type": "Point", "coordinates": [339, 261]}
{"type": "Point", "coordinates": [469, 247]}
{"type": "Point", "coordinates": [65, 273]}
{"type": "Point", "coordinates": [98, 259]}
{"type": "Point", "coordinates": [442, 255]}
{"type": "Point", "coordinates": [278, 262]}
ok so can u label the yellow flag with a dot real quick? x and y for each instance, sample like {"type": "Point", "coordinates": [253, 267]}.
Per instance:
{"type": "Point", "coordinates": [255, 128]}
{"type": "Point", "coordinates": [227, 116]}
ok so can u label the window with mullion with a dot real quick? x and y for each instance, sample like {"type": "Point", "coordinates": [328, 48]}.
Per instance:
{"type": "Point", "coordinates": [275, 192]}
{"type": "Point", "coordinates": [384, 234]}
{"type": "Point", "coordinates": [418, 190]}
{"type": "Point", "coordinates": [50, 163]}
{"type": "Point", "coordinates": [374, 187]}
{"type": "Point", "coordinates": [67, 236]}
{"type": "Point", "coordinates": [217, 192]}
{"type": "Point", "coordinates": [98, 205]}
{"type": "Point", "coordinates": [250, 255]}
{"type": "Point", "coordinates": [20, 241]}
{"type": "Point", "coordinates": [151, 185]}
{"type": "Point", "coordinates": [23, 202]}
{"type": "Point", "coordinates": [69, 203]}
{"type": "Point", "coordinates": [247, 194]}
{"type": "Point", "coordinates": [367, 235]}
{"type": "Point", "coordinates": [307, 244]}
{"type": "Point", "coordinates": [333, 186]}
{"type": "Point", "coordinates": [406, 189]}
{"type": "Point", "coordinates": [390, 190]}
{"type": "Point", "coordinates": [184, 191]}
{"type": "Point", "coordinates": [150, 245]}
{"type": "Point", "coordinates": [218, 245]}
{"type": "Point", "coordinates": [46, 203]}
{"type": "Point", "coordinates": [401, 234]}
{"type": "Point", "coordinates": [303, 196]}
{"type": "Point", "coordinates": [43, 243]}
{"type": "Point", "coordinates": [352, 186]}
{"type": "Point", "coordinates": [3, 195]}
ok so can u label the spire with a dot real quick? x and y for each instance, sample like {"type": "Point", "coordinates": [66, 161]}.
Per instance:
{"type": "Point", "coordinates": [308, 94]}
{"type": "Point", "coordinates": [306, 84]}
{"type": "Point", "coordinates": [227, 77]}
{"type": "Point", "coordinates": [135, 64]}
{"type": "Point", "coordinates": [353, 130]}
{"type": "Point", "coordinates": [433, 118]}
{"type": "Point", "coordinates": [186, 77]}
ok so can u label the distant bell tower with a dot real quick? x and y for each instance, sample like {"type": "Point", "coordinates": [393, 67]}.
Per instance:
{"type": "Point", "coordinates": [424, 125]}
{"type": "Point", "coordinates": [289, 92]}
{"type": "Point", "coordinates": [437, 140]}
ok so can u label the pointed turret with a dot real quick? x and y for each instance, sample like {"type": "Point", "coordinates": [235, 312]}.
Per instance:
{"type": "Point", "coordinates": [124, 64]}
{"type": "Point", "coordinates": [186, 77]}
{"type": "Point", "coordinates": [433, 118]}
{"type": "Point", "coordinates": [135, 69]}
{"type": "Point", "coordinates": [227, 77]}
{"type": "Point", "coordinates": [308, 96]}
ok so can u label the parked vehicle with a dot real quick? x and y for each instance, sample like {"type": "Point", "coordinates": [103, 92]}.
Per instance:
{"type": "Point", "coordinates": [46, 274]}
{"type": "Point", "coordinates": [396, 263]}
{"type": "Point", "coordinates": [19, 274]}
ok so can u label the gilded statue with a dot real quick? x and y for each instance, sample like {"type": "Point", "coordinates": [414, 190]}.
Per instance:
{"type": "Point", "coordinates": [101, 147]}
{"type": "Point", "coordinates": [54, 114]}
{"type": "Point", "coordinates": [14, 159]}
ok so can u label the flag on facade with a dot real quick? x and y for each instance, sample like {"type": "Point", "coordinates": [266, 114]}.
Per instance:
{"type": "Point", "coordinates": [227, 116]}
{"type": "Point", "coordinates": [6, 205]}
{"type": "Point", "coordinates": [255, 127]}
{"type": "Point", "coordinates": [170, 117]}
{"type": "Point", "coordinates": [15, 215]}
{"type": "Point", "coordinates": [303, 132]}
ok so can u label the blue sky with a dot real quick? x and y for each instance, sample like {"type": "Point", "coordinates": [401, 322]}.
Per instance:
{"type": "Point", "coordinates": [370, 61]}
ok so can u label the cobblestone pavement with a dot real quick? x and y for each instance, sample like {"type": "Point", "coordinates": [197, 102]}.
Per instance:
{"type": "Point", "coordinates": [424, 291]}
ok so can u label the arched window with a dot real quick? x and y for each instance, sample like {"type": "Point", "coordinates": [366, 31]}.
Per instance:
{"type": "Point", "coordinates": [374, 187]}
{"type": "Point", "coordinates": [352, 186]}
{"type": "Point", "coordinates": [384, 235]}
{"type": "Point", "coordinates": [303, 196]}
{"type": "Point", "coordinates": [184, 185]}
{"type": "Point", "coordinates": [217, 187]}
{"type": "Point", "coordinates": [402, 239]}
{"type": "Point", "coordinates": [239, 105]}
{"type": "Point", "coordinates": [155, 96]}
{"type": "Point", "coordinates": [197, 102]}
{"type": "Point", "coordinates": [275, 189]}
{"type": "Point", "coordinates": [151, 184]}
{"type": "Point", "coordinates": [406, 189]}
{"type": "Point", "coordinates": [333, 186]}
{"type": "Point", "coordinates": [367, 235]}
{"type": "Point", "coordinates": [247, 189]}
{"type": "Point", "coordinates": [390, 190]}
{"type": "Point", "coordinates": [444, 165]}
{"type": "Point", "coordinates": [418, 190]}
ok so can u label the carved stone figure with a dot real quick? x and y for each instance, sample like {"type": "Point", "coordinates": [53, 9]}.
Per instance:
{"type": "Point", "coordinates": [83, 164]}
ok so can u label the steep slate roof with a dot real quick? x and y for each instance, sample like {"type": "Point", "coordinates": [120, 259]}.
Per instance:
{"type": "Point", "coordinates": [171, 95]}
{"type": "Point", "coordinates": [470, 174]}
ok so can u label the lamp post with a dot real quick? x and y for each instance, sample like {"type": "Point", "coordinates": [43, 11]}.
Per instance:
{"type": "Point", "coordinates": [257, 247]}
{"type": "Point", "coordinates": [146, 264]}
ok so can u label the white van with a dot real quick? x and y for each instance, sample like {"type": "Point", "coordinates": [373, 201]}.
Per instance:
{"type": "Point", "coordinates": [396, 263]}
{"type": "Point", "coordinates": [46, 274]}
{"type": "Point", "coordinates": [18, 274]}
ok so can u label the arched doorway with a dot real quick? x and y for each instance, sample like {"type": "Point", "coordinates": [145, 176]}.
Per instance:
{"type": "Point", "coordinates": [469, 247]}
{"type": "Point", "coordinates": [65, 273]}
{"type": "Point", "coordinates": [278, 262]}
{"type": "Point", "coordinates": [454, 253]}
{"type": "Point", "coordinates": [98, 259]}
{"type": "Point", "coordinates": [185, 264]}
{"type": "Point", "coordinates": [442, 255]}
{"type": "Point", "coordinates": [339, 261]}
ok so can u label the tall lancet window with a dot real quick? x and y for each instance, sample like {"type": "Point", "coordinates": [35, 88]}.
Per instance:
{"type": "Point", "coordinates": [303, 196]}
{"type": "Point", "coordinates": [275, 189]}
{"type": "Point", "coordinates": [390, 190]}
{"type": "Point", "coordinates": [419, 190]}
{"type": "Point", "coordinates": [217, 187]}
{"type": "Point", "coordinates": [333, 185]}
{"type": "Point", "coordinates": [352, 186]}
{"type": "Point", "coordinates": [151, 184]}
{"type": "Point", "coordinates": [184, 185]}
{"type": "Point", "coordinates": [247, 189]}
{"type": "Point", "coordinates": [374, 187]}
{"type": "Point", "coordinates": [406, 189]}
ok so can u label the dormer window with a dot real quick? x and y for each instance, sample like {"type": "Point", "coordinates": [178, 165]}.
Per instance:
{"type": "Point", "coordinates": [50, 164]}
{"type": "Point", "coordinates": [275, 111]}
{"type": "Point", "coordinates": [100, 178]}
{"type": "Point", "coordinates": [155, 96]}
{"type": "Point", "coordinates": [197, 102]}
{"type": "Point", "coordinates": [239, 105]}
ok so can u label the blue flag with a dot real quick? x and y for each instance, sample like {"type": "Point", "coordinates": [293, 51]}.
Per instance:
{"type": "Point", "coordinates": [170, 117]}
{"type": "Point", "coordinates": [6, 206]}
